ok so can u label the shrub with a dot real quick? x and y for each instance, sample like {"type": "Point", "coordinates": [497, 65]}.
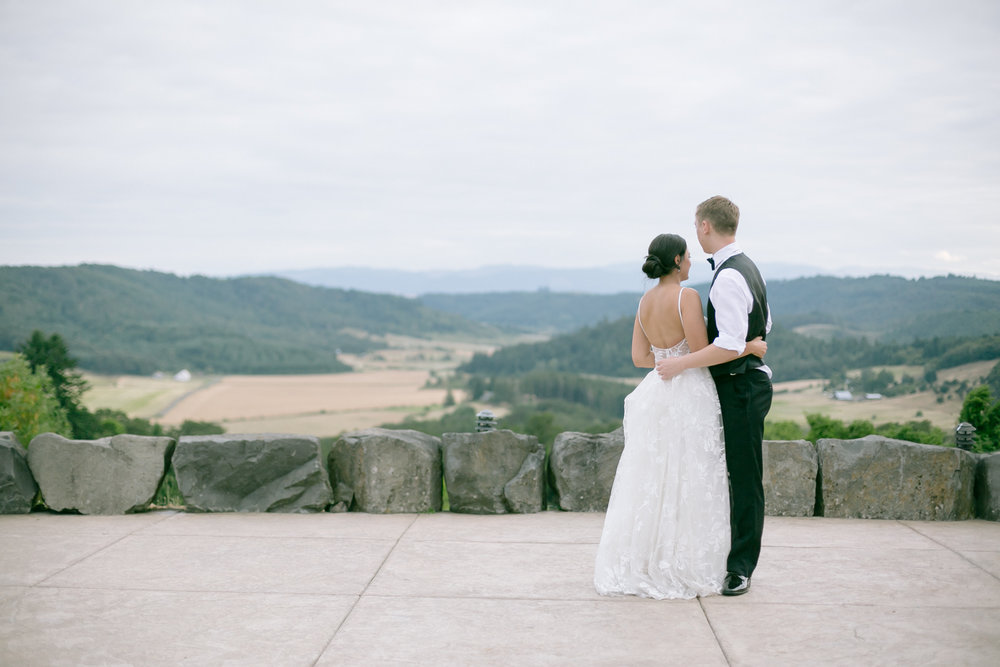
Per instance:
{"type": "Point", "coordinates": [28, 404]}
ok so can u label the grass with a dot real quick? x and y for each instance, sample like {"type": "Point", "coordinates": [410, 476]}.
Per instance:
{"type": "Point", "coordinates": [138, 395]}
{"type": "Point", "coordinates": [168, 496]}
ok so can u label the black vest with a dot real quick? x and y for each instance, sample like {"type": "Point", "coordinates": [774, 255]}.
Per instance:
{"type": "Point", "coordinates": [757, 320]}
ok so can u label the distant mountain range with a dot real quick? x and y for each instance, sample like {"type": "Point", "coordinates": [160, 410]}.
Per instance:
{"type": "Point", "coordinates": [610, 279]}
{"type": "Point", "coordinates": [883, 307]}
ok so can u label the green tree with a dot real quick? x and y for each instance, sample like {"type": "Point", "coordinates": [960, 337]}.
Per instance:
{"type": "Point", "coordinates": [976, 407]}
{"type": "Point", "coordinates": [543, 426]}
{"type": "Point", "coordinates": [859, 428]}
{"type": "Point", "coordinates": [28, 405]}
{"type": "Point", "coordinates": [782, 430]}
{"type": "Point", "coordinates": [821, 426]}
{"type": "Point", "coordinates": [52, 356]}
{"type": "Point", "coordinates": [192, 427]}
{"type": "Point", "coordinates": [980, 410]}
{"type": "Point", "coordinates": [913, 431]}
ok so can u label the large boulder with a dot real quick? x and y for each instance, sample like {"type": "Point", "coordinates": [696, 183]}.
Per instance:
{"type": "Point", "coordinates": [264, 472]}
{"type": "Point", "coordinates": [111, 475]}
{"type": "Point", "coordinates": [495, 472]}
{"type": "Point", "coordinates": [17, 486]}
{"type": "Point", "coordinates": [582, 469]}
{"type": "Point", "coordinates": [790, 468]}
{"type": "Point", "coordinates": [879, 478]}
{"type": "Point", "coordinates": [384, 470]}
{"type": "Point", "coordinates": [988, 487]}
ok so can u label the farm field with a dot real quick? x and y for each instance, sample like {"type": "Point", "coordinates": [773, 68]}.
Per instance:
{"type": "Point", "coordinates": [139, 395]}
{"type": "Point", "coordinates": [241, 397]}
{"type": "Point", "coordinates": [388, 386]}
{"type": "Point", "coordinates": [392, 384]}
{"type": "Point", "coordinates": [318, 405]}
{"type": "Point", "coordinates": [793, 400]}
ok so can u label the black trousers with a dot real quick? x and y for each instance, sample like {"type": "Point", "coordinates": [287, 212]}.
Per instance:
{"type": "Point", "coordinates": [745, 399]}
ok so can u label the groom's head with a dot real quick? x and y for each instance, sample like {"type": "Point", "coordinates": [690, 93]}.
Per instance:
{"type": "Point", "coordinates": [716, 220]}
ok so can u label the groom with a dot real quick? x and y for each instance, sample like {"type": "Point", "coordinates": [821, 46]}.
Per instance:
{"type": "Point", "coordinates": [737, 313]}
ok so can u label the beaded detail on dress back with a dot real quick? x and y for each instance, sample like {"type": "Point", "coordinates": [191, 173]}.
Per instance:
{"type": "Point", "coordinates": [678, 350]}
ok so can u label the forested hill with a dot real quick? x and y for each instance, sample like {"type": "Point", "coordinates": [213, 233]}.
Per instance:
{"type": "Point", "coordinates": [126, 321]}
{"type": "Point", "coordinates": [885, 307]}
{"type": "Point", "coordinates": [891, 307]}
{"type": "Point", "coordinates": [605, 349]}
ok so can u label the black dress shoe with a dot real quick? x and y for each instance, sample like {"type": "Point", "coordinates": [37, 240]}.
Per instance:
{"type": "Point", "coordinates": [735, 584]}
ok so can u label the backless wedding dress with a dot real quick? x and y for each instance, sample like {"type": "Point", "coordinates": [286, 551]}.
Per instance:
{"type": "Point", "coordinates": [666, 532]}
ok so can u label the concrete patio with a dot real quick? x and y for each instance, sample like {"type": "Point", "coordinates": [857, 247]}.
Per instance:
{"type": "Point", "coordinates": [169, 588]}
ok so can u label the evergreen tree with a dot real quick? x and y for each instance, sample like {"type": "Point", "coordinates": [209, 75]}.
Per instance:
{"type": "Point", "coordinates": [52, 355]}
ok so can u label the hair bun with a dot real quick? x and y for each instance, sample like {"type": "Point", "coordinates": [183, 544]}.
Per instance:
{"type": "Point", "coordinates": [653, 267]}
{"type": "Point", "coordinates": [669, 246]}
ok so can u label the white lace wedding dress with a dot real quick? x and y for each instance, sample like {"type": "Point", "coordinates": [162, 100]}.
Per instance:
{"type": "Point", "coordinates": [666, 533]}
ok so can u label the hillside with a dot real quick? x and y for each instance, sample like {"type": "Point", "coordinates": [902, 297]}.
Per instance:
{"type": "Point", "coordinates": [890, 307]}
{"type": "Point", "coordinates": [882, 307]}
{"type": "Point", "coordinates": [605, 349]}
{"type": "Point", "coordinates": [118, 320]}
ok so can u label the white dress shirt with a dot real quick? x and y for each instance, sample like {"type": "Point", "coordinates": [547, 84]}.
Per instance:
{"type": "Point", "coordinates": [733, 301]}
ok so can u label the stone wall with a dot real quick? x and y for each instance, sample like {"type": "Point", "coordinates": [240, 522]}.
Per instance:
{"type": "Point", "coordinates": [251, 473]}
{"type": "Point", "coordinates": [380, 470]}
{"type": "Point", "coordinates": [17, 484]}
{"type": "Point", "coordinates": [879, 478]}
{"type": "Point", "coordinates": [108, 476]}
{"type": "Point", "coordinates": [496, 472]}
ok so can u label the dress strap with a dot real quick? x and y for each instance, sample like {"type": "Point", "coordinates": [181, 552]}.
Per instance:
{"type": "Point", "coordinates": [679, 313]}
{"type": "Point", "coordinates": [638, 316]}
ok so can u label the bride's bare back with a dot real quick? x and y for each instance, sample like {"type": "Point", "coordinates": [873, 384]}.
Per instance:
{"type": "Point", "coordinates": [662, 324]}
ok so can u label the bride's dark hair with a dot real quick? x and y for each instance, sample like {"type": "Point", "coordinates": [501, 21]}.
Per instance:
{"type": "Point", "coordinates": [663, 253]}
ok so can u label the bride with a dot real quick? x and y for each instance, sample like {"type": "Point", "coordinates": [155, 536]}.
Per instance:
{"type": "Point", "coordinates": [666, 533]}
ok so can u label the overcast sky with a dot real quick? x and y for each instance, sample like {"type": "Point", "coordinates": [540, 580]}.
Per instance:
{"type": "Point", "coordinates": [231, 137]}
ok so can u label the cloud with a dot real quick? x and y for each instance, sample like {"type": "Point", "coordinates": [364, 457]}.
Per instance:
{"type": "Point", "coordinates": [565, 134]}
{"type": "Point", "coordinates": [945, 256]}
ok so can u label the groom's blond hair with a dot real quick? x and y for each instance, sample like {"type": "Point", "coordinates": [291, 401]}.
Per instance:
{"type": "Point", "coordinates": [723, 214]}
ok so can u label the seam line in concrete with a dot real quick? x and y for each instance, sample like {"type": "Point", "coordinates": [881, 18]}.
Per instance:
{"type": "Point", "coordinates": [629, 600]}
{"type": "Point", "coordinates": [491, 541]}
{"type": "Point", "coordinates": [718, 642]}
{"type": "Point", "coordinates": [350, 612]}
{"type": "Point", "coordinates": [183, 591]}
{"type": "Point", "coordinates": [276, 538]}
{"type": "Point", "coordinates": [94, 553]}
{"type": "Point", "coordinates": [957, 553]}
{"type": "Point", "coordinates": [497, 541]}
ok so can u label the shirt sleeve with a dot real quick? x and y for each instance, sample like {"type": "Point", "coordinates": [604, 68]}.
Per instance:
{"type": "Point", "coordinates": [733, 302]}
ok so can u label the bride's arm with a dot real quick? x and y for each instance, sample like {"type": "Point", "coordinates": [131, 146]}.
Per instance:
{"type": "Point", "coordinates": [693, 321]}
{"type": "Point", "coordinates": [642, 355]}
{"type": "Point", "coordinates": [756, 347]}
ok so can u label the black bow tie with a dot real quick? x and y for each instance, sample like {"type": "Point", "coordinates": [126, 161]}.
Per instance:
{"type": "Point", "coordinates": [711, 263]}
